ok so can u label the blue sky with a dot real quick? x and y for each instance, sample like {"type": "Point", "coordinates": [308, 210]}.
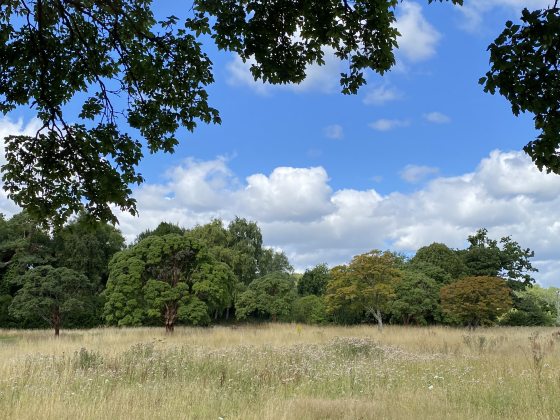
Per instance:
{"type": "Point", "coordinates": [419, 155]}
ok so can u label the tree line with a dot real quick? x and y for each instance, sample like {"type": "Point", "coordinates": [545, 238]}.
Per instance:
{"type": "Point", "coordinates": [84, 275]}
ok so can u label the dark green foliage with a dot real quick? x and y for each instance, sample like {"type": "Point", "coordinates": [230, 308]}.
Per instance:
{"type": "Point", "coordinates": [314, 281]}
{"type": "Point", "coordinates": [162, 229]}
{"type": "Point", "coordinates": [245, 239]}
{"type": "Point", "coordinates": [152, 279]}
{"type": "Point", "coordinates": [527, 313]}
{"type": "Point", "coordinates": [485, 258]}
{"type": "Point", "coordinates": [436, 273]}
{"type": "Point", "coordinates": [309, 309]}
{"type": "Point", "coordinates": [416, 299]}
{"type": "Point", "coordinates": [271, 261]}
{"type": "Point", "coordinates": [268, 297]}
{"type": "Point", "coordinates": [53, 52]}
{"type": "Point", "coordinates": [56, 51]}
{"type": "Point", "coordinates": [442, 257]}
{"type": "Point", "coordinates": [87, 245]}
{"type": "Point", "coordinates": [51, 294]}
{"type": "Point", "coordinates": [6, 320]}
{"type": "Point", "coordinates": [531, 307]}
{"type": "Point", "coordinates": [525, 69]}
{"type": "Point", "coordinates": [23, 244]}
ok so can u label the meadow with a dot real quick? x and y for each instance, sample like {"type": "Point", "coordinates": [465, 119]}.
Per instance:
{"type": "Point", "coordinates": [281, 371]}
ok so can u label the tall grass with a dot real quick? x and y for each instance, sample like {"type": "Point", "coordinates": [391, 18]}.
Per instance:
{"type": "Point", "coordinates": [281, 372]}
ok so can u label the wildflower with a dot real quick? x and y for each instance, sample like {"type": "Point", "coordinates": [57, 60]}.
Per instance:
{"type": "Point", "coordinates": [431, 387]}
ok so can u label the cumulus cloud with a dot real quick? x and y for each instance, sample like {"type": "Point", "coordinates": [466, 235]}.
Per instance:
{"type": "Point", "coordinates": [300, 213]}
{"type": "Point", "coordinates": [334, 131]}
{"type": "Point", "coordinates": [418, 38]}
{"type": "Point", "coordinates": [417, 173]}
{"type": "Point", "coordinates": [385, 124]}
{"type": "Point", "coordinates": [382, 94]}
{"type": "Point", "coordinates": [437, 118]}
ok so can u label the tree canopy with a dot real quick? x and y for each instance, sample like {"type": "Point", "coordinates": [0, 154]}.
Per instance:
{"type": "Point", "coordinates": [525, 69]}
{"type": "Point", "coordinates": [126, 68]}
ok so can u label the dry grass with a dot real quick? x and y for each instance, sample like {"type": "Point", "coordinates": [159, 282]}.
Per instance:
{"type": "Point", "coordinates": [281, 372]}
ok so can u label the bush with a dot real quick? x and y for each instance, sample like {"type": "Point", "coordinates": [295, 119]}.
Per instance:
{"type": "Point", "coordinates": [309, 310]}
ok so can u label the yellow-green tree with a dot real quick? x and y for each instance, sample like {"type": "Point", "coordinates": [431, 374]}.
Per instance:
{"type": "Point", "coordinates": [475, 301]}
{"type": "Point", "coordinates": [365, 287]}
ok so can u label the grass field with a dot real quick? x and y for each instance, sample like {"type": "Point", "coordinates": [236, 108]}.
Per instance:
{"type": "Point", "coordinates": [281, 372]}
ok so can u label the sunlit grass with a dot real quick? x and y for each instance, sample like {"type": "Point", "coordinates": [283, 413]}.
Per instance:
{"type": "Point", "coordinates": [281, 372]}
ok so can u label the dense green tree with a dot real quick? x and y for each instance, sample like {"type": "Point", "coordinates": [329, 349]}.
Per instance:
{"type": "Point", "coordinates": [153, 279]}
{"type": "Point", "coordinates": [485, 257]}
{"type": "Point", "coordinates": [416, 299]}
{"type": "Point", "coordinates": [271, 261]}
{"type": "Point", "coordinates": [533, 306]}
{"type": "Point", "coordinates": [441, 256]}
{"type": "Point", "coordinates": [24, 244]}
{"type": "Point", "coordinates": [164, 228]}
{"type": "Point", "coordinates": [309, 309]}
{"type": "Point", "coordinates": [216, 285]}
{"type": "Point", "coordinates": [365, 287]}
{"type": "Point", "coordinates": [314, 281]}
{"type": "Point", "coordinates": [167, 278]}
{"type": "Point", "coordinates": [87, 245]}
{"type": "Point", "coordinates": [245, 238]}
{"type": "Point", "coordinates": [475, 301]}
{"type": "Point", "coordinates": [268, 297]}
{"type": "Point", "coordinates": [51, 293]}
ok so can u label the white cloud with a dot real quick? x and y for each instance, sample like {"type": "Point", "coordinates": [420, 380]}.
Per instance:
{"type": "Point", "coordinates": [300, 213]}
{"type": "Point", "coordinates": [385, 124]}
{"type": "Point", "coordinates": [417, 173]}
{"type": "Point", "coordinates": [418, 38]}
{"type": "Point", "coordinates": [382, 94]}
{"type": "Point", "coordinates": [437, 118]}
{"type": "Point", "coordinates": [334, 131]}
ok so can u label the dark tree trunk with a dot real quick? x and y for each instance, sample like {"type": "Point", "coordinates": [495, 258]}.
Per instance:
{"type": "Point", "coordinates": [55, 319]}
{"type": "Point", "coordinates": [170, 317]}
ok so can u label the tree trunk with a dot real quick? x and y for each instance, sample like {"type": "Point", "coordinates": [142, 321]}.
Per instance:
{"type": "Point", "coordinates": [55, 319]}
{"type": "Point", "coordinates": [379, 318]}
{"type": "Point", "coordinates": [170, 317]}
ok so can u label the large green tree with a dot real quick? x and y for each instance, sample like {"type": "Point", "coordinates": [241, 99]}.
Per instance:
{"type": "Point", "coordinates": [87, 245]}
{"type": "Point", "coordinates": [440, 256]}
{"type": "Point", "coordinates": [365, 287]}
{"type": "Point", "coordinates": [169, 278]}
{"type": "Point", "coordinates": [314, 281]}
{"type": "Point", "coordinates": [51, 294]}
{"type": "Point", "coordinates": [506, 259]}
{"type": "Point", "coordinates": [416, 299]}
{"type": "Point", "coordinates": [125, 67]}
{"type": "Point", "coordinates": [269, 297]}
